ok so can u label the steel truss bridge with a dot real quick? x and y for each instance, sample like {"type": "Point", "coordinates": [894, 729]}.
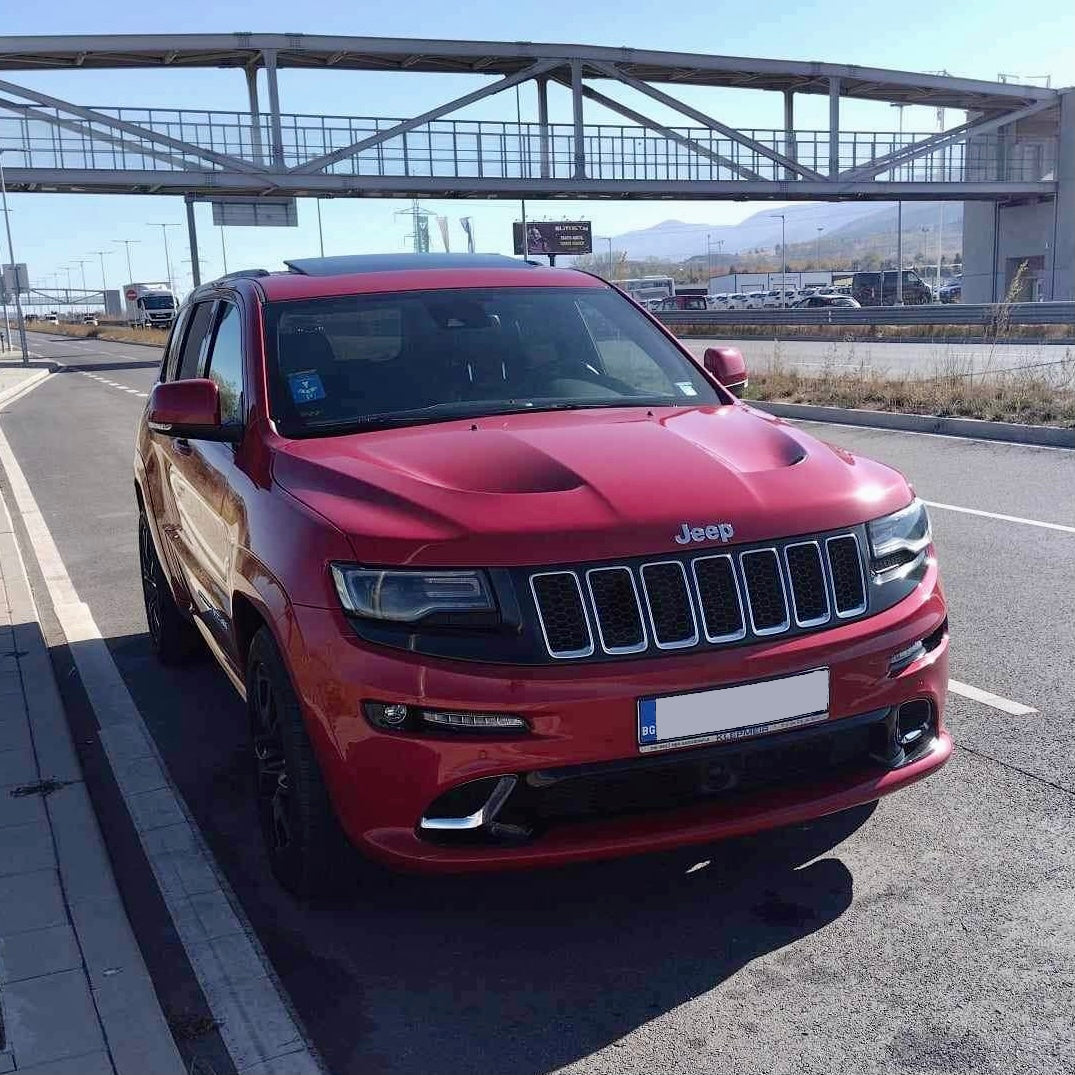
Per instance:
{"type": "Point", "coordinates": [1006, 149]}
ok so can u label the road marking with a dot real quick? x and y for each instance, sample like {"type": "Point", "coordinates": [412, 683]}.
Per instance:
{"type": "Point", "coordinates": [253, 1014]}
{"type": "Point", "coordinates": [1003, 518]}
{"type": "Point", "coordinates": [976, 694]}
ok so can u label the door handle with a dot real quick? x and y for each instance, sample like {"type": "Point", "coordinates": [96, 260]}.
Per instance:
{"type": "Point", "coordinates": [182, 446]}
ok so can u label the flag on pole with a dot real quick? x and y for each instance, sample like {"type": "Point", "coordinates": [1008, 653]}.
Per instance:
{"type": "Point", "coordinates": [468, 228]}
{"type": "Point", "coordinates": [442, 223]}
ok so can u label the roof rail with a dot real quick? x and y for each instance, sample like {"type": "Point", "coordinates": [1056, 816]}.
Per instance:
{"type": "Point", "coordinates": [240, 273]}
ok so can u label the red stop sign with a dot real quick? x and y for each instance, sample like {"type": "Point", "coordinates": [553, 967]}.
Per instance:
{"type": "Point", "coordinates": [131, 294]}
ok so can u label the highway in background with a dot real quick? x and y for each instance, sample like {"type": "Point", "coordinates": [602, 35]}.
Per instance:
{"type": "Point", "coordinates": [932, 933]}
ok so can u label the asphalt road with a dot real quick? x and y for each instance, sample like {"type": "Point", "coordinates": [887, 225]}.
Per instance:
{"type": "Point", "coordinates": [900, 359]}
{"type": "Point", "coordinates": [934, 933]}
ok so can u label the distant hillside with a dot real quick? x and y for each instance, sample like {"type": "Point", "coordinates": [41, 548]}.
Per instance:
{"type": "Point", "coordinates": [848, 229]}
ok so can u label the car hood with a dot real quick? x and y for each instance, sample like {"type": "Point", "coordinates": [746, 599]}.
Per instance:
{"type": "Point", "coordinates": [555, 487]}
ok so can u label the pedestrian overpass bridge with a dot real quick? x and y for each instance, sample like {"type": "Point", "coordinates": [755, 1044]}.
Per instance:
{"type": "Point", "coordinates": [1014, 144]}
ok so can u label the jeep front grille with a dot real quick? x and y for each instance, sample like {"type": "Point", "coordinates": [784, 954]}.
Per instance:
{"type": "Point", "coordinates": [684, 602]}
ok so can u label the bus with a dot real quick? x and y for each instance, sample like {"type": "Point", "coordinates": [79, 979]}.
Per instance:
{"type": "Point", "coordinates": [645, 288]}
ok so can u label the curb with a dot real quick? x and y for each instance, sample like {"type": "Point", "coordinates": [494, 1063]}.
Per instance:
{"type": "Point", "coordinates": [74, 987]}
{"type": "Point", "coordinates": [976, 428]}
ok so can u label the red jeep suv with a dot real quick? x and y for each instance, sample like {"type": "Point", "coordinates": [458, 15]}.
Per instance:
{"type": "Point", "coordinates": [508, 579]}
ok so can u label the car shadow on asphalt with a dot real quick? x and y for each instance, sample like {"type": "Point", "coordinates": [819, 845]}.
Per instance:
{"type": "Point", "coordinates": [513, 974]}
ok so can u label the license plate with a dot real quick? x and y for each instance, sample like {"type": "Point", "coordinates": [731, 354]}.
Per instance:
{"type": "Point", "coordinates": [728, 713]}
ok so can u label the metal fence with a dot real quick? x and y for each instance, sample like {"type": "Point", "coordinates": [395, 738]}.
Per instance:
{"type": "Point", "coordinates": [988, 314]}
{"type": "Point", "coordinates": [479, 149]}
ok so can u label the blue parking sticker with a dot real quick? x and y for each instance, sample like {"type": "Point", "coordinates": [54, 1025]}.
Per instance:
{"type": "Point", "coordinates": [306, 386]}
{"type": "Point", "coordinates": [647, 720]}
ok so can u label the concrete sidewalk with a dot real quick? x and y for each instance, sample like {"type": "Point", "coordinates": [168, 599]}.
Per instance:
{"type": "Point", "coordinates": [75, 995]}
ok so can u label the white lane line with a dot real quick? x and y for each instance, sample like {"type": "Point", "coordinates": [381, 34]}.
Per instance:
{"type": "Point", "coordinates": [976, 694]}
{"type": "Point", "coordinates": [1003, 518]}
{"type": "Point", "coordinates": [250, 1006]}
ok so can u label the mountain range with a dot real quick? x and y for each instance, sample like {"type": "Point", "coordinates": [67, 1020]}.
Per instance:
{"type": "Point", "coordinates": [841, 222]}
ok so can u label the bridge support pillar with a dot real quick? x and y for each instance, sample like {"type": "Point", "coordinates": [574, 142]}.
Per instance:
{"type": "Point", "coordinates": [576, 104]}
{"type": "Point", "coordinates": [543, 124]}
{"type": "Point", "coordinates": [255, 114]}
{"type": "Point", "coordinates": [1063, 260]}
{"type": "Point", "coordinates": [192, 236]}
{"type": "Point", "coordinates": [790, 147]}
{"type": "Point", "coordinates": [834, 127]}
{"type": "Point", "coordinates": [274, 109]}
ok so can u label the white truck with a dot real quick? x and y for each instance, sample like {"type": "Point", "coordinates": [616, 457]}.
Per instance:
{"type": "Point", "coordinates": [150, 305]}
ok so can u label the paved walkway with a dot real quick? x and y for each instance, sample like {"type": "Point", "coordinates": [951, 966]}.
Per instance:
{"type": "Point", "coordinates": [75, 996]}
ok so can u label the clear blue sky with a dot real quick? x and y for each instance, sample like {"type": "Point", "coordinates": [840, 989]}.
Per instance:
{"type": "Point", "coordinates": [972, 38]}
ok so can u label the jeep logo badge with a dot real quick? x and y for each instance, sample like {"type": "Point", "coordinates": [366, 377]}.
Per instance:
{"type": "Point", "coordinates": [713, 532]}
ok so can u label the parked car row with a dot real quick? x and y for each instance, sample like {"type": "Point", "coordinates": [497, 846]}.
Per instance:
{"type": "Point", "coordinates": [786, 299]}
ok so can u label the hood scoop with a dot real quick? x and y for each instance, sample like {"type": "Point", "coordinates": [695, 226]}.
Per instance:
{"type": "Point", "coordinates": [475, 461]}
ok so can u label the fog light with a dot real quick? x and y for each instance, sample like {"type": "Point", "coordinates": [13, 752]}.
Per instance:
{"type": "Point", "coordinates": [393, 715]}
{"type": "Point", "coordinates": [914, 721]}
{"type": "Point", "coordinates": [469, 722]}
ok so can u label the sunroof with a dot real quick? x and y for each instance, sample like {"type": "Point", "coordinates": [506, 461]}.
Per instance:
{"type": "Point", "coordinates": [362, 263]}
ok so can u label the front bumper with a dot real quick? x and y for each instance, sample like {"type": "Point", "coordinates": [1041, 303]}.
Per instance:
{"type": "Point", "coordinates": [384, 783]}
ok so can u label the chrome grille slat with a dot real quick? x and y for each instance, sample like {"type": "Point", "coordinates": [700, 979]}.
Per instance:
{"type": "Point", "coordinates": [706, 582]}
{"type": "Point", "coordinates": [768, 609]}
{"type": "Point", "coordinates": [808, 583]}
{"type": "Point", "coordinates": [666, 602]}
{"type": "Point", "coordinates": [846, 575]}
{"type": "Point", "coordinates": [559, 602]}
{"type": "Point", "coordinates": [601, 598]}
{"type": "Point", "coordinates": [658, 605]}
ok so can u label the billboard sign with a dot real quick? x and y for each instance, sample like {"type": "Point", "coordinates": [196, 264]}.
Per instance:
{"type": "Point", "coordinates": [255, 212]}
{"type": "Point", "coordinates": [16, 278]}
{"type": "Point", "coordinates": [554, 237]}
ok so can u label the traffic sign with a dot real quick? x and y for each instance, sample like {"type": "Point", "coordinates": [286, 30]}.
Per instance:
{"type": "Point", "coordinates": [256, 212]}
{"type": "Point", "coordinates": [131, 294]}
{"type": "Point", "coordinates": [16, 278]}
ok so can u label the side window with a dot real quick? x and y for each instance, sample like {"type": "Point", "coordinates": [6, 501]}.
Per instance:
{"type": "Point", "coordinates": [171, 350]}
{"type": "Point", "coordinates": [190, 356]}
{"type": "Point", "coordinates": [226, 363]}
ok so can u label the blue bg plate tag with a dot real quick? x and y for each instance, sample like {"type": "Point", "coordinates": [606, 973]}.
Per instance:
{"type": "Point", "coordinates": [306, 386]}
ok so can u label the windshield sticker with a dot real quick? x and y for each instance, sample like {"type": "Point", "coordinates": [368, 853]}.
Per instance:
{"type": "Point", "coordinates": [686, 388]}
{"type": "Point", "coordinates": [306, 386]}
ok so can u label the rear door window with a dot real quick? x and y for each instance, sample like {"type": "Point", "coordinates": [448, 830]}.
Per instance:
{"type": "Point", "coordinates": [225, 367]}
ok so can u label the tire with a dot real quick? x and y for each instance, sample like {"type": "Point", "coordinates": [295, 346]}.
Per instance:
{"type": "Point", "coordinates": [174, 638]}
{"type": "Point", "coordinates": [308, 852]}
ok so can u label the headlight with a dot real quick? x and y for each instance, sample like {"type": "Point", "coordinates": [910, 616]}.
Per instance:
{"type": "Point", "coordinates": [410, 596]}
{"type": "Point", "coordinates": [900, 538]}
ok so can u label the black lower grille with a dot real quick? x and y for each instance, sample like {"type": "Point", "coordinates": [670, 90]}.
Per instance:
{"type": "Point", "coordinates": [848, 585]}
{"type": "Point", "coordinates": [705, 773]}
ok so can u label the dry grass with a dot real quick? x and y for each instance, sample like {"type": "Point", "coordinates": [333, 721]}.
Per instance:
{"type": "Point", "coordinates": [940, 334]}
{"type": "Point", "coordinates": [951, 388]}
{"type": "Point", "coordinates": [116, 333]}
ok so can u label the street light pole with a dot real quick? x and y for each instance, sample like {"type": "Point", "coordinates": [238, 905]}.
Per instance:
{"type": "Point", "coordinates": [817, 255]}
{"type": "Point", "coordinates": [104, 281]}
{"type": "Point", "coordinates": [783, 260]}
{"type": "Point", "coordinates": [320, 233]}
{"type": "Point", "coordinates": [19, 320]}
{"type": "Point", "coordinates": [127, 244]}
{"type": "Point", "coordinates": [167, 257]}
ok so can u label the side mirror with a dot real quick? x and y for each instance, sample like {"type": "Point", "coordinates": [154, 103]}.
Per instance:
{"type": "Point", "coordinates": [189, 408]}
{"type": "Point", "coordinates": [728, 366]}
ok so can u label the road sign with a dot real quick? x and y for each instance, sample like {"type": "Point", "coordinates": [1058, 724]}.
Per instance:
{"type": "Point", "coordinates": [16, 278]}
{"type": "Point", "coordinates": [256, 212]}
{"type": "Point", "coordinates": [554, 237]}
{"type": "Point", "coordinates": [131, 294]}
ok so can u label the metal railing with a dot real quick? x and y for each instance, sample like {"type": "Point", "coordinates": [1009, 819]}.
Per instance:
{"type": "Point", "coordinates": [1020, 313]}
{"type": "Point", "coordinates": [482, 149]}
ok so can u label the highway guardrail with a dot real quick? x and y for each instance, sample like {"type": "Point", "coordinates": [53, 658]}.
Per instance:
{"type": "Point", "coordinates": [987, 314]}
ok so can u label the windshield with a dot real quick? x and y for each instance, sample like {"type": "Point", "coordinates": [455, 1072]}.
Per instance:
{"type": "Point", "coordinates": [159, 302]}
{"type": "Point", "coordinates": [365, 361]}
